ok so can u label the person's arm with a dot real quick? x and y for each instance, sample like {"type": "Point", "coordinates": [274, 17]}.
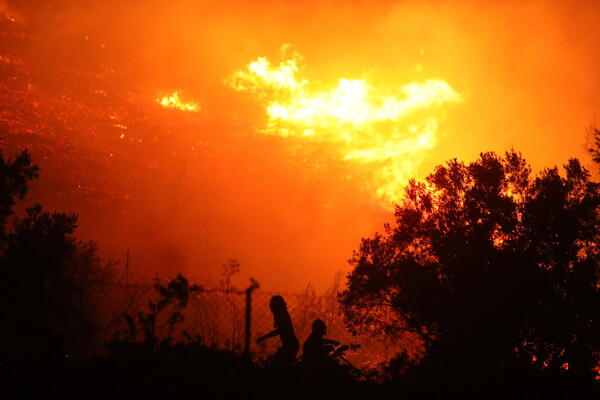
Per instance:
{"type": "Point", "coordinates": [331, 341]}
{"type": "Point", "coordinates": [268, 335]}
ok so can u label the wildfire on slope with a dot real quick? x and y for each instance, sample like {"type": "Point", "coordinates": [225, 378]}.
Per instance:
{"type": "Point", "coordinates": [173, 101]}
{"type": "Point", "coordinates": [387, 131]}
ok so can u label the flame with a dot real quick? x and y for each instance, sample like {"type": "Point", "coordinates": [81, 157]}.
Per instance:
{"type": "Point", "coordinates": [388, 131]}
{"type": "Point", "coordinates": [173, 101]}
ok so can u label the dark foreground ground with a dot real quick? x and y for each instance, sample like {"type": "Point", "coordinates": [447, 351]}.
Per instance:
{"type": "Point", "coordinates": [209, 374]}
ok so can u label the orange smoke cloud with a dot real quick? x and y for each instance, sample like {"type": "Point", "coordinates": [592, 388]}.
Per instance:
{"type": "Point", "coordinates": [283, 177]}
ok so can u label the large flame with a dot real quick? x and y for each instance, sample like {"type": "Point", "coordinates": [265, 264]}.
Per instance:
{"type": "Point", "coordinates": [173, 101]}
{"type": "Point", "coordinates": [387, 130]}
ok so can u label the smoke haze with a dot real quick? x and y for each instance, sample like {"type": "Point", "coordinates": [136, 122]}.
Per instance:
{"type": "Point", "coordinates": [186, 192]}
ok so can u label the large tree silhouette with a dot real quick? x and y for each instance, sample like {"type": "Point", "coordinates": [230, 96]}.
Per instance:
{"type": "Point", "coordinates": [493, 269]}
{"type": "Point", "coordinates": [44, 272]}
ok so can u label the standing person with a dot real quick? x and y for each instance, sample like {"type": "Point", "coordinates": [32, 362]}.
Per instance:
{"type": "Point", "coordinates": [316, 348]}
{"type": "Point", "coordinates": [286, 354]}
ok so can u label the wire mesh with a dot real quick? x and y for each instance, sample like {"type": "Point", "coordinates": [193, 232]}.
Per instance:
{"type": "Point", "coordinates": [217, 318]}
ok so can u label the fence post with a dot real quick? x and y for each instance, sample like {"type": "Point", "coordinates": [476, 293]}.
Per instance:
{"type": "Point", "coordinates": [253, 286]}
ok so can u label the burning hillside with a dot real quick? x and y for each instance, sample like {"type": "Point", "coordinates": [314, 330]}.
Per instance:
{"type": "Point", "coordinates": [143, 172]}
{"type": "Point", "coordinates": [179, 131]}
{"type": "Point", "coordinates": [384, 132]}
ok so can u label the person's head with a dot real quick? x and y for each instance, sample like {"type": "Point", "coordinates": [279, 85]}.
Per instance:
{"type": "Point", "coordinates": [319, 327]}
{"type": "Point", "coordinates": [277, 304]}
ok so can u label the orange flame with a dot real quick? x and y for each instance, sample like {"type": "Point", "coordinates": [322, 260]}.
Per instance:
{"type": "Point", "coordinates": [173, 101]}
{"type": "Point", "coordinates": [387, 131]}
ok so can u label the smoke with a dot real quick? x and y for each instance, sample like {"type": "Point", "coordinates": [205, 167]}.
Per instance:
{"type": "Point", "coordinates": [185, 194]}
{"type": "Point", "coordinates": [526, 68]}
{"type": "Point", "coordinates": [529, 66]}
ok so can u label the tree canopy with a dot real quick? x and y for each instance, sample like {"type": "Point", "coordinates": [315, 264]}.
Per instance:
{"type": "Point", "coordinates": [15, 174]}
{"type": "Point", "coordinates": [44, 269]}
{"type": "Point", "coordinates": [488, 267]}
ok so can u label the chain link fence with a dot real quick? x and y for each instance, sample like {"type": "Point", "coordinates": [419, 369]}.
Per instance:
{"type": "Point", "coordinates": [216, 318]}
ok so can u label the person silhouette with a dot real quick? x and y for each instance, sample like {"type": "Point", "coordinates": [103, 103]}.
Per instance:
{"type": "Point", "coordinates": [286, 353]}
{"type": "Point", "coordinates": [316, 348]}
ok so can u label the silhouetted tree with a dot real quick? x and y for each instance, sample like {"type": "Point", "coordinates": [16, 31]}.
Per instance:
{"type": "Point", "coordinates": [491, 268]}
{"type": "Point", "coordinates": [44, 271]}
{"type": "Point", "coordinates": [15, 175]}
{"type": "Point", "coordinates": [595, 149]}
{"type": "Point", "coordinates": [172, 300]}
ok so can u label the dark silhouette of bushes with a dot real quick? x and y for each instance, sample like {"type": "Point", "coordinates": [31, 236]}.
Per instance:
{"type": "Point", "coordinates": [493, 271]}
{"type": "Point", "coordinates": [494, 274]}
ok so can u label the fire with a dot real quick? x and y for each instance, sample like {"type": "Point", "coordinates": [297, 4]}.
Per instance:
{"type": "Point", "coordinates": [173, 101]}
{"type": "Point", "coordinates": [386, 130]}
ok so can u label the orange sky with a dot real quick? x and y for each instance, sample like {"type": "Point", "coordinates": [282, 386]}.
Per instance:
{"type": "Point", "coordinates": [289, 212]}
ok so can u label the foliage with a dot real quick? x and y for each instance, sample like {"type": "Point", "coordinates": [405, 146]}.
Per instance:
{"type": "Point", "coordinates": [44, 271]}
{"type": "Point", "coordinates": [15, 175]}
{"type": "Point", "coordinates": [172, 299]}
{"type": "Point", "coordinates": [490, 268]}
{"type": "Point", "coordinates": [229, 270]}
{"type": "Point", "coordinates": [595, 149]}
